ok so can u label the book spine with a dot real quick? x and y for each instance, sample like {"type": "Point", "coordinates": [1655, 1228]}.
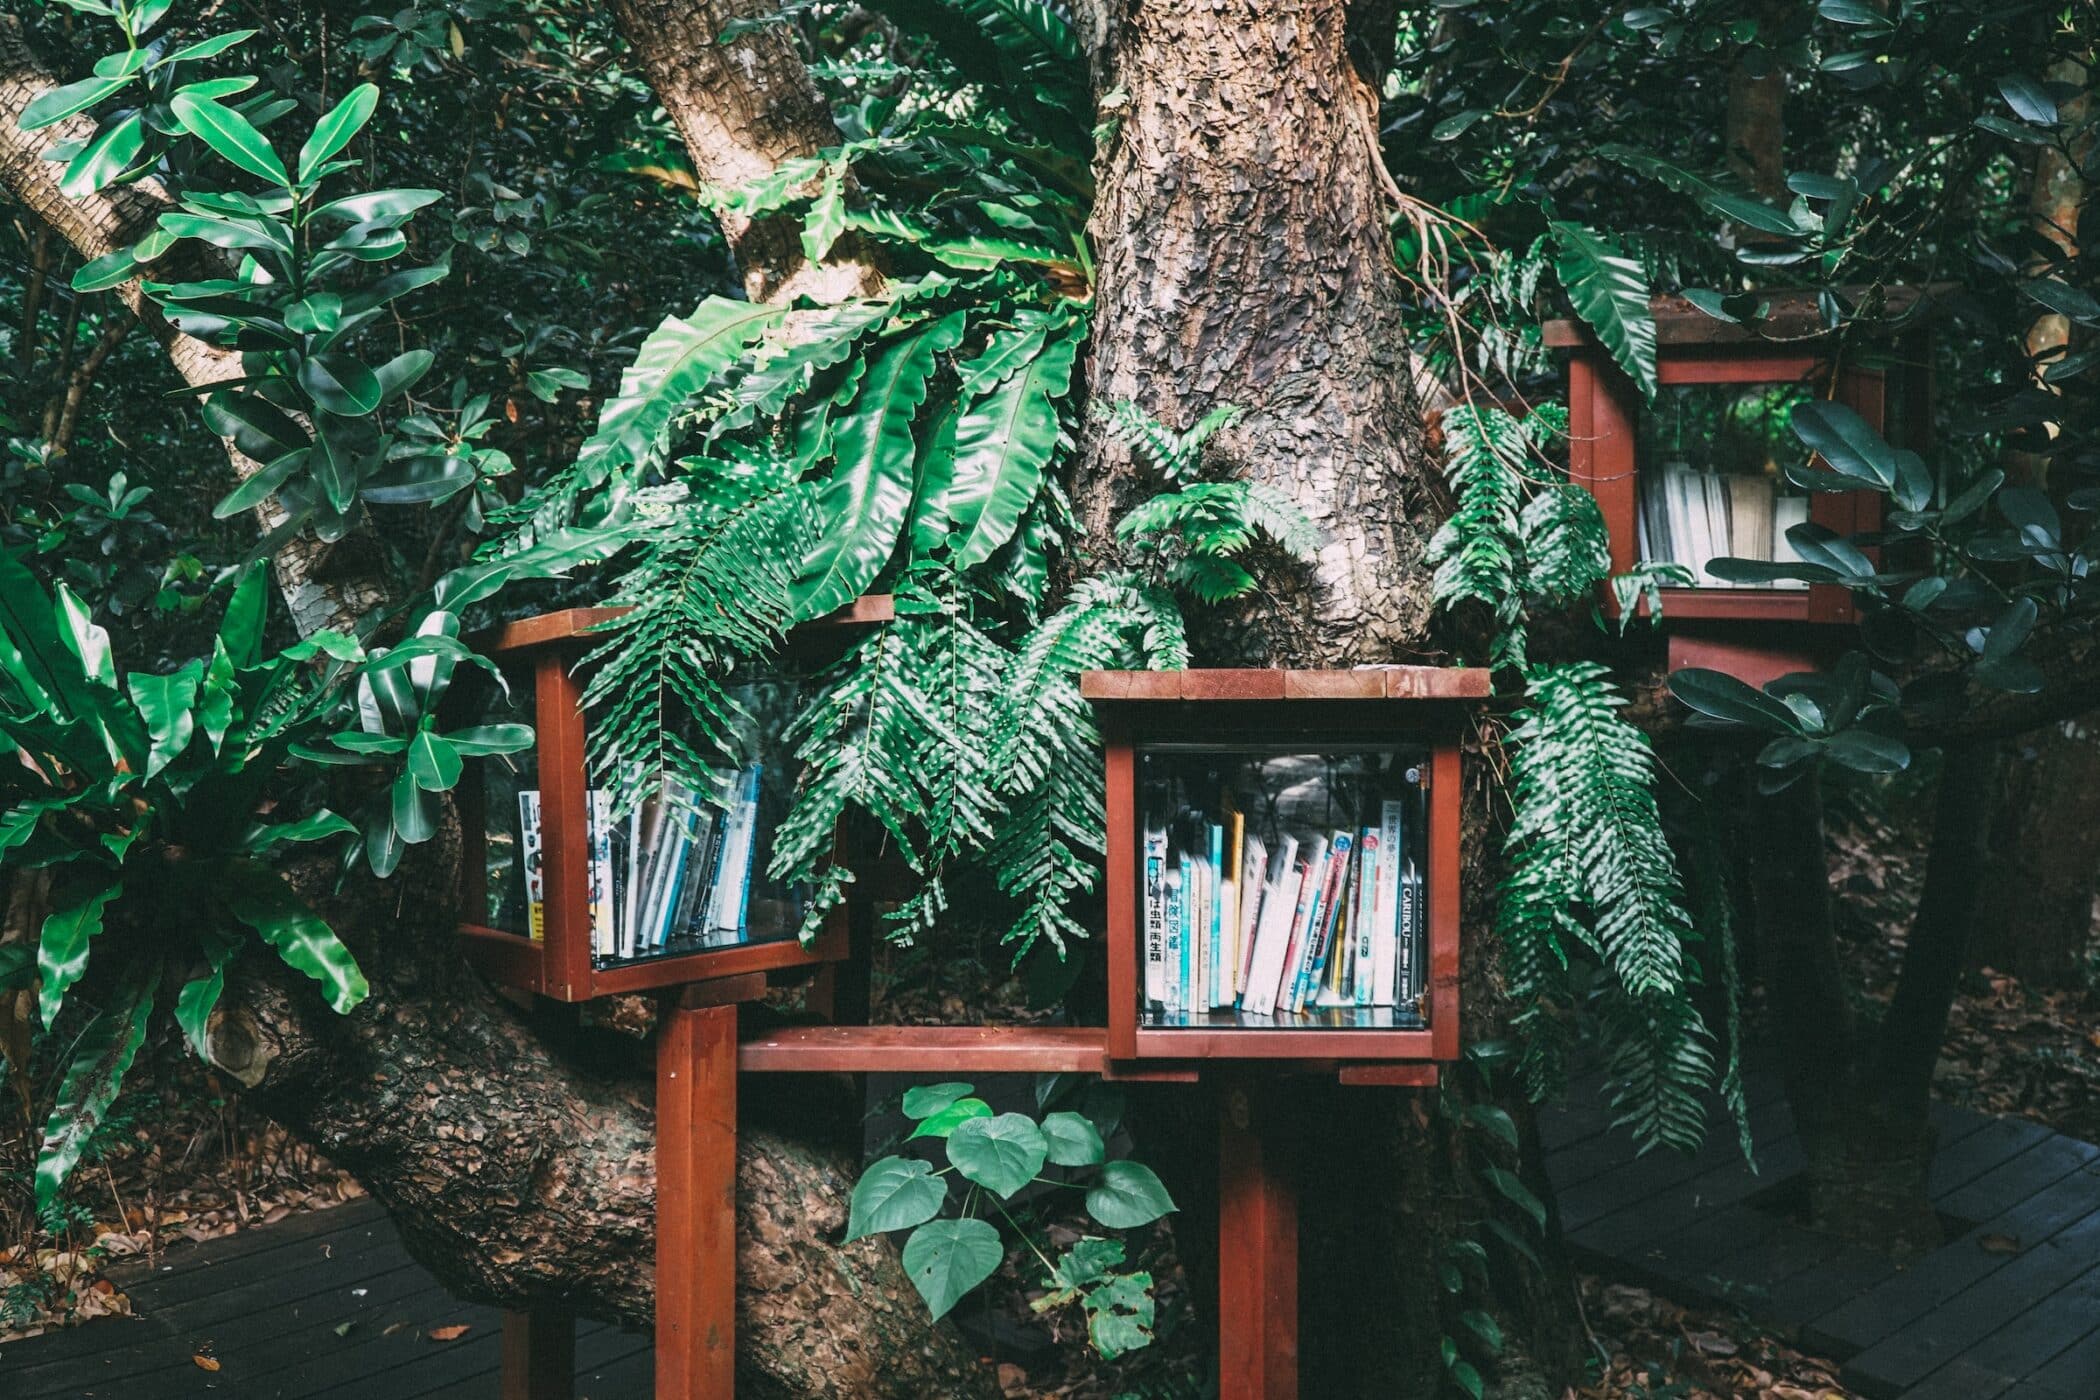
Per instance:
{"type": "Point", "coordinates": [1175, 929]}
{"type": "Point", "coordinates": [1410, 929]}
{"type": "Point", "coordinates": [529, 861]}
{"type": "Point", "coordinates": [1364, 970]}
{"type": "Point", "coordinates": [1279, 899]}
{"type": "Point", "coordinates": [1320, 936]}
{"type": "Point", "coordinates": [1386, 945]}
{"type": "Point", "coordinates": [1254, 866]}
{"type": "Point", "coordinates": [1315, 874]}
{"type": "Point", "coordinates": [1215, 924]}
{"type": "Point", "coordinates": [1156, 916]}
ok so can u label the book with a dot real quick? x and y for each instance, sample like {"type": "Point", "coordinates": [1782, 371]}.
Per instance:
{"type": "Point", "coordinates": [1176, 969]}
{"type": "Point", "coordinates": [732, 880]}
{"type": "Point", "coordinates": [1385, 942]}
{"type": "Point", "coordinates": [1231, 889]}
{"type": "Point", "coordinates": [1272, 937]}
{"type": "Point", "coordinates": [1319, 933]}
{"type": "Point", "coordinates": [1155, 877]}
{"type": "Point", "coordinates": [1310, 882]}
{"type": "Point", "coordinates": [1411, 950]}
{"type": "Point", "coordinates": [1254, 868]}
{"type": "Point", "coordinates": [1364, 970]}
{"type": "Point", "coordinates": [1216, 894]}
{"type": "Point", "coordinates": [598, 832]}
{"type": "Point", "coordinates": [529, 862]}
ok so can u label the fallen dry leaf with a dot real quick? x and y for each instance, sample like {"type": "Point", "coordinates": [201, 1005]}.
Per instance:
{"type": "Point", "coordinates": [2000, 1244]}
{"type": "Point", "coordinates": [206, 1363]}
{"type": "Point", "coordinates": [450, 1333]}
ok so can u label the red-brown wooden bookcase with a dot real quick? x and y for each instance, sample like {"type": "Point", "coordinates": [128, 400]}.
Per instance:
{"type": "Point", "coordinates": [1326, 710]}
{"type": "Point", "coordinates": [542, 653]}
{"type": "Point", "coordinates": [1753, 633]}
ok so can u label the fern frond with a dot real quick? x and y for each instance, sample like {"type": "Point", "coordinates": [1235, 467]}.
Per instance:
{"type": "Point", "coordinates": [1478, 550]}
{"type": "Point", "coordinates": [1566, 544]}
{"type": "Point", "coordinates": [1590, 865]}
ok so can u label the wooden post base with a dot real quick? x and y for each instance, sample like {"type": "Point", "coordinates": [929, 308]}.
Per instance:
{"type": "Point", "coordinates": [539, 1355]}
{"type": "Point", "coordinates": [696, 1205]}
{"type": "Point", "coordinates": [1257, 1252]}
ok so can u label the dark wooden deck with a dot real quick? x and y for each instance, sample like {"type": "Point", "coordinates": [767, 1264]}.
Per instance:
{"type": "Point", "coordinates": [2008, 1309]}
{"type": "Point", "coordinates": [327, 1304]}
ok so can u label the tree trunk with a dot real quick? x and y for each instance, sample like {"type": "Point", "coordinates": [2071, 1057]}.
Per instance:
{"type": "Point", "coordinates": [743, 108]}
{"type": "Point", "coordinates": [1243, 254]}
{"type": "Point", "coordinates": [1862, 1101]}
{"type": "Point", "coordinates": [2043, 871]}
{"type": "Point", "coordinates": [523, 1173]}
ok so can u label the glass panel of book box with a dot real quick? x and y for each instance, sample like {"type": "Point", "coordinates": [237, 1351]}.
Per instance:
{"type": "Point", "coordinates": [1282, 887]}
{"type": "Point", "coordinates": [1712, 476]}
{"type": "Point", "coordinates": [682, 871]}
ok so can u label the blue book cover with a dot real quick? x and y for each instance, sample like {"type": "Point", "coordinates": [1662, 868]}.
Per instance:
{"type": "Point", "coordinates": [1177, 967]}
{"type": "Point", "coordinates": [1214, 945]}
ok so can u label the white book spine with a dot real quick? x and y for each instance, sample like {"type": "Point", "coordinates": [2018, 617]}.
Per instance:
{"type": "Point", "coordinates": [1385, 951]}
{"type": "Point", "coordinates": [599, 833]}
{"type": "Point", "coordinates": [1252, 868]}
{"type": "Point", "coordinates": [1279, 901]}
{"type": "Point", "coordinates": [1176, 966]}
{"type": "Point", "coordinates": [1156, 916]}
{"type": "Point", "coordinates": [725, 912]}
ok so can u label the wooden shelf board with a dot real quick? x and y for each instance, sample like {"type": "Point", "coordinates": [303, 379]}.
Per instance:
{"type": "Point", "coordinates": [927, 1049]}
{"type": "Point", "coordinates": [579, 624]}
{"type": "Point", "coordinates": [1263, 683]}
{"type": "Point", "coordinates": [1793, 316]}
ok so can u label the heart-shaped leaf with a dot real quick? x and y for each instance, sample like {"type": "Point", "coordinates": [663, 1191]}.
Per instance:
{"type": "Point", "coordinates": [1129, 1195]}
{"type": "Point", "coordinates": [1001, 1154]}
{"type": "Point", "coordinates": [947, 1258]}
{"type": "Point", "coordinates": [895, 1193]}
{"type": "Point", "coordinates": [1073, 1141]}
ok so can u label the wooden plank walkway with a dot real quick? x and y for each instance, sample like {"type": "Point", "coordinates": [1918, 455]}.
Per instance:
{"type": "Point", "coordinates": [327, 1304]}
{"type": "Point", "coordinates": [2006, 1310]}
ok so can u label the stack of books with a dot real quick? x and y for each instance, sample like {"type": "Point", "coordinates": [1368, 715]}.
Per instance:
{"type": "Point", "coordinates": [674, 876]}
{"type": "Point", "coordinates": [1331, 922]}
{"type": "Point", "coordinates": [1690, 517]}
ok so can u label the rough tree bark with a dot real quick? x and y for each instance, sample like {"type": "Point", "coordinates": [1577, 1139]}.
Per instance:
{"type": "Point", "coordinates": [1244, 256]}
{"type": "Point", "coordinates": [743, 108]}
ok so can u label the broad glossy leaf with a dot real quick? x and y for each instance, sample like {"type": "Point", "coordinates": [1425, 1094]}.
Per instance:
{"type": "Point", "coordinates": [318, 827]}
{"type": "Point", "coordinates": [229, 133]}
{"type": "Point", "coordinates": [168, 704]}
{"type": "Point", "coordinates": [109, 270]}
{"type": "Point", "coordinates": [62, 944]}
{"type": "Point", "coordinates": [400, 374]}
{"type": "Point", "coordinates": [1609, 291]}
{"type": "Point", "coordinates": [266, 904]}
{"type": "Point", "coordinates": [947, 1258]}
{"type": "Point", "coordinates": [895, 1193]}
{"type": "Point", "coordinates": [944, 1121]}
{"type": "Point", "coordinates": [335, 130]}
{"type": "Point", "coordinates": [864, 503]}
{"type": "Point", "coordinates": [341, 383]}
{"type": "Point", "coordinates": [260, 428]}
{"type": "Point", "coordinates": [1723, 697]}
{"type": "Point", "coordinates": [678, 360]}
{"type": "Point", "coordinates": [1001, 1154]}
{"type": "Point", "coordinates": [210, 48]}
{"type": "Point", "coordinates": [1728, 203]}
{"type": "Point", "coordinates": [1864, 751]}
{"type": "Point", "coordinates": [258, 488]}
{"type": "Point", "coordinates": [414, 480]}
{"type": "Point", "coordinates": [62, 102]}
{"type": "Point", "coordinates": [2029, 99]}
{"type": "Point", "coordinates": [1129, 1195]}
{"type": "Point", "coordinates": [377, 205]}
{"type": "Point", "coordinates": [925, 1100]}
{"type": "Point", "coordinates": [103, 159]}
{"type": "Point", "coordinates": [414, 813]}
{"type": "Point", "coordinates": [1003, 441]}
{"type": "Point", "coordinates": [1846, 441]}
{"type": "Point", "coordinates": [433, 762]}
{"type": "Point", "coordinates": [1074, 1141]}
{"type": "Point", "coordinates": [200, 995]}
{"type": "Point", "coordinates": [485, 739]}
{"type": "Point", "coordinates": [224, 232]}
{"type": "Point", "coordinates": [101, 1058]}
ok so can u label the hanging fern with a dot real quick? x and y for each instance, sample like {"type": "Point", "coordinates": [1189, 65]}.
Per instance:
{"type": "Point", "coordinates": [1590, 867]}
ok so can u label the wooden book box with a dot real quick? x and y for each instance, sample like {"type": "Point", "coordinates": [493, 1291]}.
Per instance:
{"type": "Point", "coordinates": [539, 657]}
{"type": "Point", "coordinates": [1213, 776]}
{"type": "Point", "coordinates": [1723, 403]}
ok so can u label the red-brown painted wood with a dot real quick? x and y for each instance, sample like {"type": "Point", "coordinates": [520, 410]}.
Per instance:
{"type": "Point", "coordinates": [1389, 1076]}
{"type": "Point", "coordinates": [916, 1049]}
{"type": "Point", "coordinates": [1258, 1255]}
{"type": "Point", "coordinates": [539, 1355]}
{"type": "Point", "coordinates": [565, 851]}
{"type": "Point", "coordinates": [1123, 858]}
{"type": "Point", "coordinates": [696, 1055]}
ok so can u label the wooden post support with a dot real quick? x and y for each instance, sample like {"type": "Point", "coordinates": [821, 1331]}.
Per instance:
{"type": "Point", "coordinates": [696, 1205]}
{"type": "Point", "coordinates": [539, 1355]}
{"type": "Point", "coordinates": [1257, 1254]}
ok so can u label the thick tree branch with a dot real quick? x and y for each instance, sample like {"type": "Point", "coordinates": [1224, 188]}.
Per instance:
{"type": "Point", "coordinates": [742, 109]}
{"type": "Point", "coordinates": [115, 218]}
